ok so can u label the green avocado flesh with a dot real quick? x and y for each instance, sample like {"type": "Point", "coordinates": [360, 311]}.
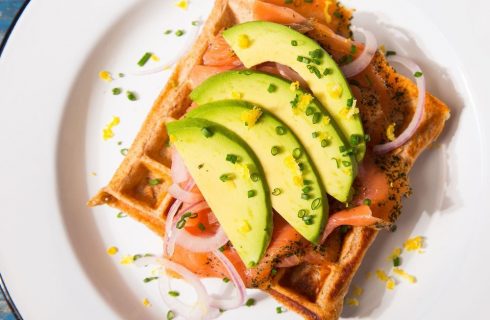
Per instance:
{"type": "Point", "coordinates": [247, 221]}
{"type": "Point", "coordinates": [266, 41]}
{"type": "Point", "coordinates": [296, 190]}
{"type": "Point", "coordinates": [319, 137]}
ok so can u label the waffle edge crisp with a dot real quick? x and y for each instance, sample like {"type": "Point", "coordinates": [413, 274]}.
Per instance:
{"type": "Point", "coordinates": [314, 291]}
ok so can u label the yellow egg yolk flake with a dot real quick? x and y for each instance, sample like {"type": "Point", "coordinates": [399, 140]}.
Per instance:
{"type": "Point", "coordinates": [390, 131]}
{"type": "Point", "coordinates": [182, 4]}
{"type": "Point", "coordinates": [390, 283]}
{"type": "Point", "coordinates": [415, 243]}
{"type": "Point", "coordinates": [250, 117]}
{"type": "Point", "coordinates": [127, 260]}
{"type": "Point", "coordinates": [243, 41]}
{"type": "Point", "coordinates": [107, 132]}
{"type": "Point", "coordinates": [403, 274]}
{"type": "Point", "coordinates": [105, 75]}
{"type": "Point", "coordinates": [112, 251]}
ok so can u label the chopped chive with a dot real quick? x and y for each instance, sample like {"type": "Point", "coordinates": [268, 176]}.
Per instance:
{"type": "Point", "coordinates": [131, 96]}
{"type": "Point", "coordinates": [170, 315]}
{"type": "Point", "coordinates": [206, 132]}
{"type": "Point", "coordinates": [200, 166]}
{"type": "Point", "coordinates": [232, 158]}
{"type": "Point", "coordinates": [119, 143]}
{"type": "Point", "coordinates": [316, 203]}
{"type": "Point", "coordinates": [181, 223]}
{"type": "Point", "coordinates": [251, 193]}
{"type": "Point", "coordinates": [302, 213]}
{"type": "Point", "coordinates": [317, 61]}
{"type": "Point", "coordinates": [367, 201]}
{"type": "Point", "coordinates": [222, 249]}
{"type": "Point", "coordinates": [346, 163]}
{"type": "Point", "coordinates": [225, 177]}
{"type": "Point", "coordinates": [337, 14]}
{"type": "Point", "coordinates": [355, 139]}
{"type": "Point", "coordinates": [305, 196]}
{"type": "Point", "coordinates": [327, 71]}
{"type": "Point", "coordinates": [154, 182]}
{"type": "Point", "coordinates": [280, 130]}
{"type": "Point", "coordinates": [273, 272]}
{"type": "Point", "coordinates": [294, 102]}
{"type": "Point", "coordinates": [195, 23]}
{"type": "Point", "coordinates": [306, 189]}
{"type": "Point", "coordinates": [317, 116]}
{"type": "Point", "coordinates": [201, 226]}
{"type": "Point", "coordinates": [250, 302]}
{"type": "Point", "coordinates": [124, 151]}
{"type": "Point", "coordinates": [116, 91]}
{"type": "Point", "coordinates": [397, 262]}
{"type": "Point", "coordinates": [275, 150]}
{"type": "Point", "coordinates": [337, 161]}
{"type": "Point", "coordinates": [121, 75]}
{"type": "Point", "coordinates": [314, 70]}
{"type": "Point", "coordinates": [308, 220]}
{"type": "Point", "coordinates": [146, 280]}
{"type": "Point", "coordinates": [307, 182]}
{"type": "Point", "coordinates": [179, 32]}
{"type": "Point", "coordinates": [315, 134]}
{"type": "Point", "coordinates": [297, 153]}
{"type": "Point", "coordinates": [301, 166]}
{"type": "Point", "coordinates": [272, 88]}
{"type": "Point", "coordinates": [303, 59]}
{"type": "Point", "coordinates": [288, 1]}
{"type": "Point", "coordinates": [353, 49]}
{"type": "Point", "coordinates": [309, 111]}
{"type": "Point", "coordinates": [144, 59]}
{"type": "Point", "coordinates": [121, 215]}
{"type": "Point", "coordinates": [324, 143]}
{"type": "Point", "coordinates": [344, 229]}
{"type": "Point", "coordinates": [173, 293]}
{"type": "Point", "coordinates": [367, 138]}
{"type": "Point", "coordinates": [418, 74]}
{"type": "Point", "coordinates": [346, 59]}
{"type": "Point", "coordinates": [280, 310]}
{"type": "Point", "coordinates": [350, 102]}
{"type": "Point", "coordinates": [254, 177]}
{"type": "Point", "coordinates": [168, 31]}
{"type": "Point", "coordinates": [294, 43]}
{"type": "Point", "coordinates": [390, 53]}
{"type": "Point", "coordinates": [276, 192]}
{"type": "Point", "coordinates": [317, 53]}
{"type": "Point", "coordinates": [226, 280]}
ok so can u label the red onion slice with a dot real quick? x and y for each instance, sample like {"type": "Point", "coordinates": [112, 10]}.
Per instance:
{"type": "Point", "coordinates": [419, 110]}
{"type": "Point", "coordinates": [178, 169]}
{"type": "Point", "coordinates": [183, 195]}
{"type": "Point", "coordinates": [364, 59]}
{"type": "Point", "coordinates": [201, 309]}
{"type": "Point", "coordinates": [288, 73]}
{"type": "Point", "coordinates": [239, 299]}
{"type": "Point", "coordinates": [194, 243]}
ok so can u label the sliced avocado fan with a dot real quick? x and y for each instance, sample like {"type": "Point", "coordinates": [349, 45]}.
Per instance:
{"type": "Point", "coordinates": [259, 41]}
{"type": "Point", "coordinates": [295, 187]}
{"type": "Point", "coordinates": [307, 118]}
{"type": "Point", "coordinates": [206, 148]}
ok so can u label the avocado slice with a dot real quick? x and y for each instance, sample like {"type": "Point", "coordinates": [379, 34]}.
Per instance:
{"type": "Point", "coordinates": [247, 221]}
{"type": "Point", "coordinates": [337, 169]}
{"type": "Point", "coordinates": [296, 190]}
{"type": "Point", "coordinates": [259, 41]}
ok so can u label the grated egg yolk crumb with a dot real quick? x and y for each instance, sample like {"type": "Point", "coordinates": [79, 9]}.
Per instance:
{"type": "Point", "coordinates": [390, 284]}
{"type": "Point", "coordinates": [183, 4]}
{"type": "Point", "coordinates": [358, 291]}
{"type": "Point", "coordinates": [395, 254]}
{"type": "Point", "coordinates": [245, 227]}
{"type": "Point", "coordinates": [154, 57]}
{"type": "Point", "coordinates": [304, 101]}
{"type": "Point", "coordinates": [146, 302]}
{"type": "Point", "coordinates": [105, 75]}
{"type": "Point", "coordinates": [243, 41]}
{"type": "Point", "coordinates": [415, 243]}
{"type": "Point", "coordinates": [294, 86]}
{"type": "Point", "coordinates": [404, 275]}
{"type": "Point", "coordinates": [243, 170]}
{"type": "Point", "coordinates": [349, 112]}
{"type": "Point", "coordinates": [353, 302]}
{"type": "Point", "coordinates": [250, 117]}
{"type": "Point", "coordinates": [128, 259]}
{"type": "Point", "coordinates": [390, 131]}
{"type": "Point", "coordinates": [107, 132]}
{"type": "Point", "coordinates": [326, 120]}
{"type": "Point", "coordinates": [335, 90]}
{"type": "Point", "coordinates": [236, 95]}
{"type": "Point", "coordinates": [382, 48]}
{"type": "Point", "coordinates": [112, 251]}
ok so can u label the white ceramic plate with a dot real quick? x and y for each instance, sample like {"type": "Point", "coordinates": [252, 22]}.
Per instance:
{"type": "Point", "coordinates": [53, 108]}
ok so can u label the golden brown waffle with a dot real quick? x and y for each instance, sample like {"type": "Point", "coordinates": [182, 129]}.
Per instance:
{"type": "Point", "coordinates": [316, 291]}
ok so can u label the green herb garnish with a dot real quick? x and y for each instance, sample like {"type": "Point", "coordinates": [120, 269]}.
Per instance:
{"type": "Point", "coordinates": [250, 302]}
{"type": "Point", "coordinates": [121, 215]}
{"type": "Point", "coordinates": [131, 96]}
{"type": "Point", "coordinates": [280, 130]}
{"type": "Point", "coordinates": [390, 53]}
{"type": "Point", "coordinates": [124, 151]}
{"type": "Point", "coordinates": [116, 91]}
{"type": "Point", "coordinates": [316, 203]}
{"type": "Point", "coordinates": [232, 158]}
{"type": "Point", "coordinates": [272, 88]}
{"type": "Point", "coordinates": [144, 59]}
{"type": "Point", "coordinates": [418, 74]}
{"type": "Point", "coordinates": [251, 193]}
{"type": "Point", "coordinates": [170, 315]}
{"type": "Point", "coordinates": [294, 43]}
{"type": "Point", "coordinates": [276, 192]}
{"type": "Point", "coordinates": [206, 132]}
{"type": "Point", "coordinates": [324, 143]}
{"type": "Point", "coordinates": [397, 262]}
{"type": "Point", "coordinates": [317, 116]}
{"type": "Point", "coordinates": [201, 226]}
{"type": "Point", "coordinates": [275, 150]}
{"type": "Point", "coordinates": [146, 280]}
{"type": "Point", "coordinates": [173, 293]}
{"type": "Point", "coordinates": [254, 177]}
{"type": "Point", "coordinates": [154, 182]}
{"type": "Point", "coordinates": [179, 32]}
{"type": "Point", "coordinates": [367, 201]}
{"type": "Point", "coordinates": [297, 153]}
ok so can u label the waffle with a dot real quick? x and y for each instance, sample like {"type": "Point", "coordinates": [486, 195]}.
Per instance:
{"type": "Point", "coordinates": [316, 291]}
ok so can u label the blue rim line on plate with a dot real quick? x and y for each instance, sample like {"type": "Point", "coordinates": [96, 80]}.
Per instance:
{"type": "Point", "coordinates": [3, 287]}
